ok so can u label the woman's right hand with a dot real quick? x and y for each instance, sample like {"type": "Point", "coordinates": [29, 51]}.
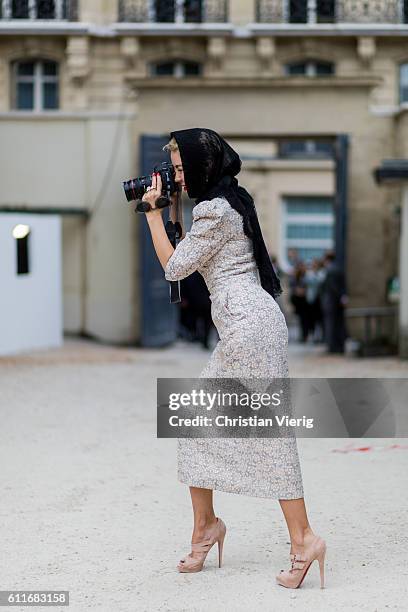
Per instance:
{"type": "Point", "coordinates": [152, 194]}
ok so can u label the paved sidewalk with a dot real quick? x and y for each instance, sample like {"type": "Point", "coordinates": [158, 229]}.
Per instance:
{"type": "Point", "coordinates": [91, 502]}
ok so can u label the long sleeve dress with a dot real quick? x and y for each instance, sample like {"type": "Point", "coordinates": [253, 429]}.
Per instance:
{"type": "Point", "coordinates": [253, 343]}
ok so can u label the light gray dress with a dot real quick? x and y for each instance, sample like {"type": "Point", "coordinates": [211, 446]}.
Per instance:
{"type": "Point", "coordinates": [253, 343]}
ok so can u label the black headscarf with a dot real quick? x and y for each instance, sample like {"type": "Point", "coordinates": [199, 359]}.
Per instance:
{"type": "Point", "coordinates": [210, 165]}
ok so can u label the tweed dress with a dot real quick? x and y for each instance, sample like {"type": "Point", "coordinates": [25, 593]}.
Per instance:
{"type": "Point", "coordinates": [253, 343]}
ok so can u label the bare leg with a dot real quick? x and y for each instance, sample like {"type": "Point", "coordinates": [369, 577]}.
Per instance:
{"type": "Point", "coordinates": [299, 528]}
{"type": "Point", "coordinates": [204, 516]}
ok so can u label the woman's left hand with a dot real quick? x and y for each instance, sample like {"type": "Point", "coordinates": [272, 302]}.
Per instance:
{"type": "Point", "coordinates": [152, 193]}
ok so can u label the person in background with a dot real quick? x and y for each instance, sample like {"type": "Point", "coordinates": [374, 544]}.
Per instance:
{"type": "Point", "coordinates": [280, 273]}
{"type": "Point", "coordinates": [314, 277]}
{"type": "Point", "coordinates": [293, 259]}
{"type": "Point", "coordinates": [187, 322]}
{"type": "Point", "coordinates": [298, 298]}
{"type": "Point", "coordinates": [276, 266]}
{"type": "Point", "coordinates": [195, 309]}
{"type": "Point", "coordinates": [333, 300]}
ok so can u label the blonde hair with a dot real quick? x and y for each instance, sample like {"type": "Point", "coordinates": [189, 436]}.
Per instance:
{"type": "Point", "coordinates": [171, 146]}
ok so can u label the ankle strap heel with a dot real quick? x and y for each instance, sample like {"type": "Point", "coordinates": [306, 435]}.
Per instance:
{"type": "Point", "coordinates": [194, 563]}
{"type": "Point", "coordinates": [300, 564]}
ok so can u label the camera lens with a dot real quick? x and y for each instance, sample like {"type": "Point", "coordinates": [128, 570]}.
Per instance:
{"type": "Point", "coordinates": [135, 188]}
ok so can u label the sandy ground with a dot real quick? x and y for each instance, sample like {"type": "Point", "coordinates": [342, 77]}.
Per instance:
{"type": "Point", "coordinates": [91, 503]}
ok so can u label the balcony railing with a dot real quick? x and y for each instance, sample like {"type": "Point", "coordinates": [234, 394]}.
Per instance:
{"type": "Point", "coordinates": [173, 11]}
{"type": "Point", "coordinates": [38, 9]}
{"type": "Point", "coordinates": [332, 11]}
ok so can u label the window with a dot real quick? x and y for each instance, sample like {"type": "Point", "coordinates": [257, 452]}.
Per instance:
{"type": "Point", "coordinates": [308, 226]}
{"type": "Point", "coordinates": [177, 11]}
{"type": "Point", "coordinates": [35, 85]}
{"type": "Point", "coordinates": [305, 148]}
{"type": "Point", "coordinates": [33, 9]}
{"type": "Point", "coordinates": [403, 83]}
{"type": "Point", "coordinates": [173, 11]}
{"type": "Point", "coordinates": [310, 11]}
{"type": "Point", "coordinates": [177, 69]}
{"type": "Point", "coordinates": [21, 234]}
{"type": "Point", "coordinates": [310, 68]}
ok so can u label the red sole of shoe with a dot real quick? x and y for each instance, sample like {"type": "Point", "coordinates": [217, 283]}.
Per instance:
{"type": "Point", "coordinates": [302, 579]}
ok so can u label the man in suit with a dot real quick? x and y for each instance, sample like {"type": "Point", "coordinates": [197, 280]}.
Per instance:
{"type": "Point", "coordinates": [195, 314]}
{"type": "Point", "coordinates": [333, 299]}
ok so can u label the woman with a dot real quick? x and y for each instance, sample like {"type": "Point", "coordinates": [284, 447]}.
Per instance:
{"type": "Point", "coordinates": [298, 286]}
{"type": "Point", "coordinates": [226, 246]}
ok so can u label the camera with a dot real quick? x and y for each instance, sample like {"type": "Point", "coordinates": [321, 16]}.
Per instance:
{"type": "Point", "coordinates": [136, 188]}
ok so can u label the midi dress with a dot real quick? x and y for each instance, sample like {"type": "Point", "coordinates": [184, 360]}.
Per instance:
{"type": "Point", "coordinates": [253, 342]}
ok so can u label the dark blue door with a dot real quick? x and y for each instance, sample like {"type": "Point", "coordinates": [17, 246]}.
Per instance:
{"type": "Point", "coordinates": [158, 317]}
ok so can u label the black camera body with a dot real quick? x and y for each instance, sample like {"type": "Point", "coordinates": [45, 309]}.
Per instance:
{"type": "Point", "coordinates": [136, 188]}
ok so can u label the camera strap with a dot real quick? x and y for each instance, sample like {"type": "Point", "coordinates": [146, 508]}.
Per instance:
{"type": "Point", "coordinates": [174, 233]}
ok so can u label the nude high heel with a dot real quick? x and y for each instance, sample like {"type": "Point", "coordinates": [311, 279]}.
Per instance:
{"type": "Point", "coordinates": [192, 564]}
{"type": "Point", "coordinates": [301, 562]}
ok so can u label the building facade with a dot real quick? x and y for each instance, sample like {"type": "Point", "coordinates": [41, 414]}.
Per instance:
{"type": "Point", "coordinates": [313, 94]}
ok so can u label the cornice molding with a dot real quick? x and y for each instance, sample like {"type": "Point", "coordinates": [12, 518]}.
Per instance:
{"type": "Point", "coordinates": [251, 30]}
{"type": "Point", "coordinates": [328, 29]}
{"type": "Point", "coordinates": [254, 82]}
